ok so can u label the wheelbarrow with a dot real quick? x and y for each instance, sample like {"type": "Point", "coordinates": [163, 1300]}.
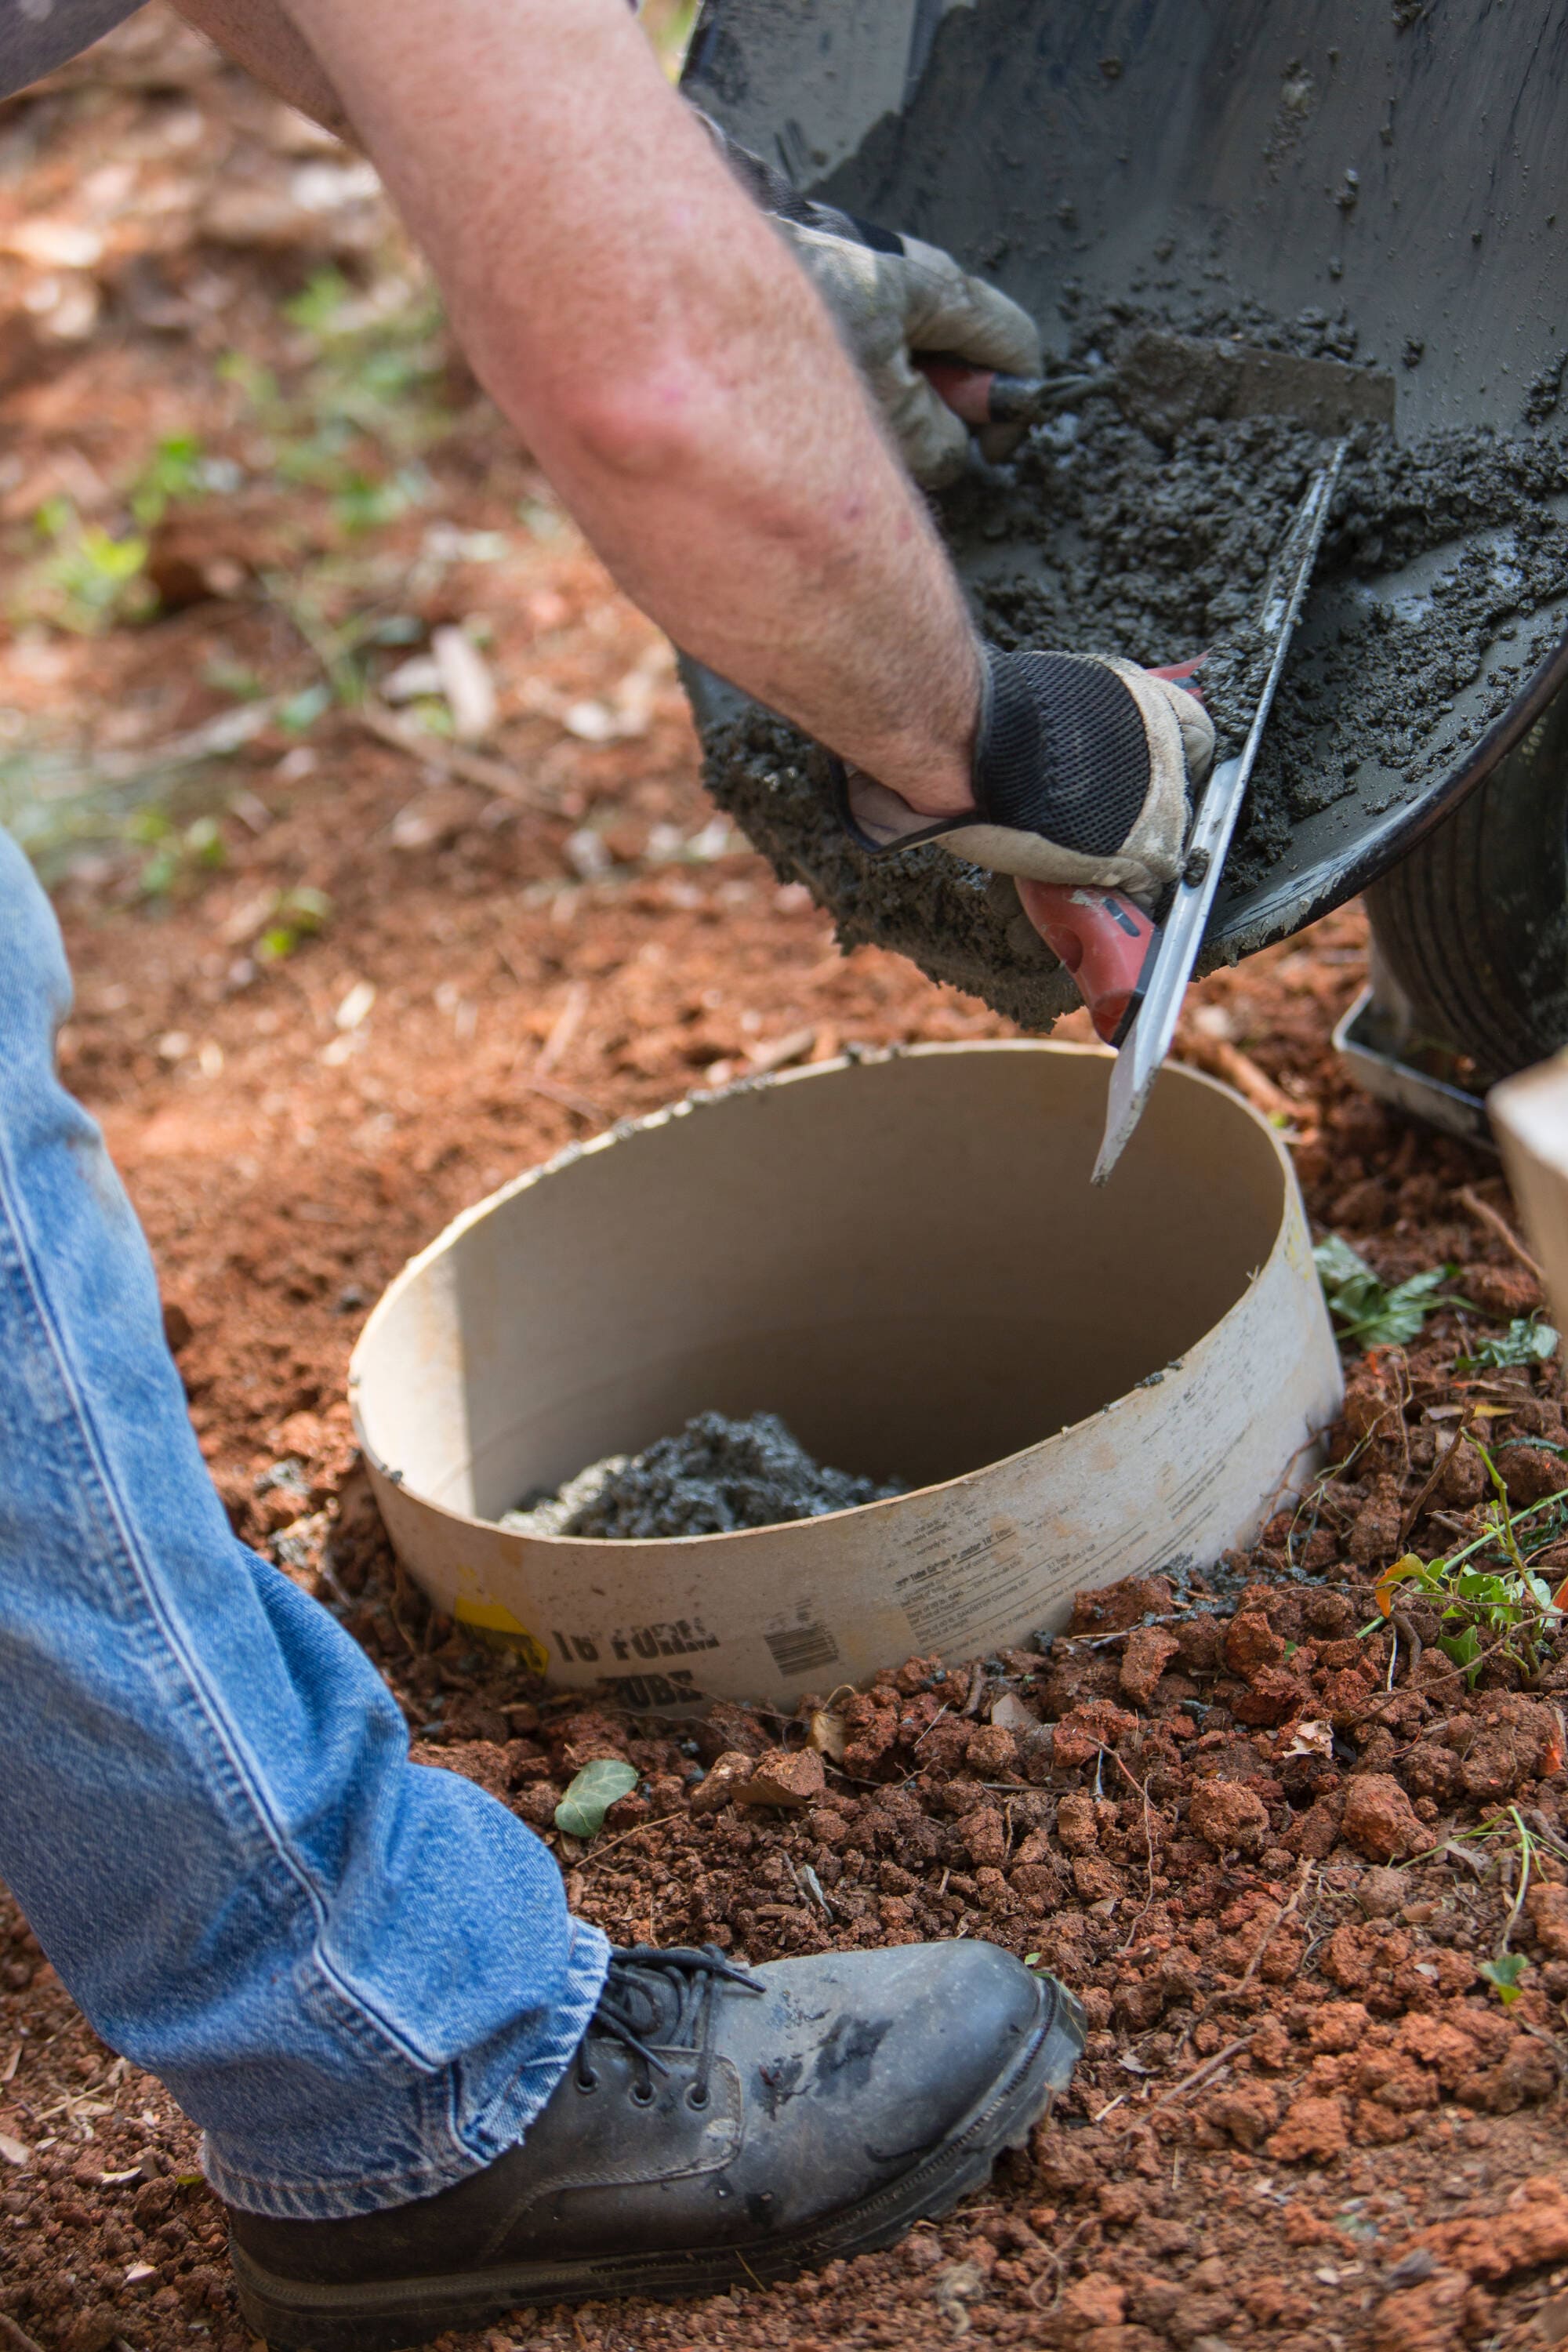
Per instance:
{"type": "Point", "coordinates": [1399, 164]}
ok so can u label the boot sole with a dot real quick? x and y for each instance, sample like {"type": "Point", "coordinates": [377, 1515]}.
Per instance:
{"type": "Point", "coordinates": [386, 2314]}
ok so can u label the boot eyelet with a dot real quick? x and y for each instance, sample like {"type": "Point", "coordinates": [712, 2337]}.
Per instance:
{"type": "Point", "coordinates": [642, 2094]}
{"type": "Point", "coordinates": [587, 2082]}
{"type": "Point", "coordinates": [697, 2099]}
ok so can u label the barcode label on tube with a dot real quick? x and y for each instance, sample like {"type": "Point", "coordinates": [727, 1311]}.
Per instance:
{"type": "Point", "coordinates": [801, 1649]}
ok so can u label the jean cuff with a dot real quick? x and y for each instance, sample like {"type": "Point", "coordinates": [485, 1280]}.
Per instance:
{"type": "Point", "coordinates": [506, 2120]}
{"type": "Point", "coordinates": [438, 2140]}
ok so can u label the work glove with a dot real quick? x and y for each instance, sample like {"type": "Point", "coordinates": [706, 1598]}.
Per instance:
{"type": "Point", "coordinates": [894, 299]}
{"type": "Point", "coordinates": [1082, 772]}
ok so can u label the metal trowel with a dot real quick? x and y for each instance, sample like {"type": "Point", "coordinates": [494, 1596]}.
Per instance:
{"type": "Point", "coordinates": [1130, 973]}
{"type": "Point", "coordinates": [1163, 382]}
{"type": "Point", "coordinates": [1145, 1040]}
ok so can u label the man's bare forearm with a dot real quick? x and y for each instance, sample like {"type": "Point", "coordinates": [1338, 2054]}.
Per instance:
{"type": "Point", "coordinates": [259, 35]}
{"type": "Point", "coordinates": [655, 345]}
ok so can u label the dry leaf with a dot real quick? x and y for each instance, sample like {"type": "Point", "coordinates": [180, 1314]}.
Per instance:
{"type": "Point", "coordinates": [827, 1733]}
{"type": "Point", "coordinates": [1009, 1713]}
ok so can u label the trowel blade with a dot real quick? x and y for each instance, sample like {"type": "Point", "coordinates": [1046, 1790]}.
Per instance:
{"type": "Point", "coordinates": [1124, 1107]}
{"type": "Point", "coordinates": [1182, 933]}
{"type": "Point", "coordinates": [1165, 382]}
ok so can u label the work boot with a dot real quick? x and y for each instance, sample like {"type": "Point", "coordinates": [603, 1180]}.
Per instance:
{"type": "Point", "coordinates": [719, 2125]}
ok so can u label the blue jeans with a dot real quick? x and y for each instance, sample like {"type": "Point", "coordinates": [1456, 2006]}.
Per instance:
{"type": "Point", "coordinates": [358, 1975]}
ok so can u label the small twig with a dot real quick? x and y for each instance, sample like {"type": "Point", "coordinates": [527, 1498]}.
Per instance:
{"type": "Point", "coordinates": [1485, 1214]}
{"type": "Point", "coordinates": [794, 1047]}
{"type": "Point", "coordinates": [449, 758]}
{"type": "Point", "coordinates": [1413, 1642]}
{"type": "Point", "coordinates": [16, 2337]}
{"type": "Point", "coordinates": [639, 1829]}
{"type": "Point", "coordinates": [1407, 1400]}
{"type": "Point", "coordinates": [976, 1684]}
{"type": "Point", "coordinates": [1054, 2256]}
{"type": "Point", "coordinates": [1302, 1874]}
{"type": "Point", "coordinates": [1148, 1847]}
{"type": "Point", "coordinates": [807, 1878]}
{"type": "Point", "coordinates": [568, 1095]}
{"type": "Point", "coordinates": [1240, 1071]}
{"type": "Point", "coordinates": [566, 1025]}
{"type": "Point", "coordinates": [1104, 1641]}
{"type": "Point", "coordinates": [1201, 2073]}
{"type": "Point", "coordinates": [1424, 1496]}
{"type": "Point", "coordinates": [930, 1725]}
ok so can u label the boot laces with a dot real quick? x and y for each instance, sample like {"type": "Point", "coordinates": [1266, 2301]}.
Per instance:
{"type": "Point", "coordinates": [648, 1986]}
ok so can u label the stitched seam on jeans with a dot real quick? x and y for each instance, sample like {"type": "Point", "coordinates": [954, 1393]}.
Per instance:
{"type": "Point", "coordinates": [357, 2011]}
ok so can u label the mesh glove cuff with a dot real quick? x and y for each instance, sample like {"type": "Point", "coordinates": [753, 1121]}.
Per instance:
{"type": "Point", "coordinates": [1081, 774]}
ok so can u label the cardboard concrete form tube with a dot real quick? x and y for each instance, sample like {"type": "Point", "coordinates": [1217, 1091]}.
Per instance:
{"type": "Point", "coordinates": [1530, 1118]}
{"type": "Point", "coordinates": [903, 1256]}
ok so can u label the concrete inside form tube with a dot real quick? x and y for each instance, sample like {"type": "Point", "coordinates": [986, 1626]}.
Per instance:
{"type": "Point", "coordinates": [902, 1257]}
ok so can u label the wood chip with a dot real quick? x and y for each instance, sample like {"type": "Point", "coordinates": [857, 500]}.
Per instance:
{"type": "Point", "coordinates": [567, 1023]}
{"type": "Point", "coordinates": [792, 1047]}
{"type": "Point", "coordinates": [466, 682]}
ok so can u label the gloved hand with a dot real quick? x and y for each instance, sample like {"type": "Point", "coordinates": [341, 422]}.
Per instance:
{"type": "Point", "coordinates": [894, 297]}
{"type": "Point", "coordinates": [1081, 774]}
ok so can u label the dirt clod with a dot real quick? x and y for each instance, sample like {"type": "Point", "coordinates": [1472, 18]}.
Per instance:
{"type": "Point", "coordinates": [1229, 1817]}
{"type": "Point", "coordinates": [1378, 1820]}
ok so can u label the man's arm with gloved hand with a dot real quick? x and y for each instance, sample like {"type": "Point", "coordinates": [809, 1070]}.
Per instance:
{"type": "Point", "coordinates": [642, 325]}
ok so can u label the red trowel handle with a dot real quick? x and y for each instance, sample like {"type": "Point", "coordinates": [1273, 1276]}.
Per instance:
{"type": "Point", "coordinates": [1106, 942]}
{"type": "Point", "coordinates": [966, 389]}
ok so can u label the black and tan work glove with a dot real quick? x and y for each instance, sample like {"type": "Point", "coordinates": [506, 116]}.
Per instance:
{"type": "Point", "coordinates": [893, 299]}
{"type": "Point", "coordinates": [1082, 772]}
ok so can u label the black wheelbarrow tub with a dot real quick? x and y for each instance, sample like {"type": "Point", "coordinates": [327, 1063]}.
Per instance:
{"type": "Point", "coordinates": [1406, 164]}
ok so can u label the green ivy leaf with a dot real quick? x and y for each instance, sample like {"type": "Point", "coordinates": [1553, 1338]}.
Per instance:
{"type": "Point", "coordinates": [581, 1813]}
{"type": "Point", "coordinates": [1528, 1341]}
{"type": "Point", "coordinates": [301, 710]}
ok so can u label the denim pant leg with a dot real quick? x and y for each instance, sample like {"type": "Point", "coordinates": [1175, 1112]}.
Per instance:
{"type": "Point", "coordinates": [358, 1975]}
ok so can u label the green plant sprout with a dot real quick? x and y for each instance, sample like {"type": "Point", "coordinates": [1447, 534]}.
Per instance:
{"type": "Point", "coordinates": [1510, 1602]}
{"type": "Point", "coordinates": [174, 470]}
{"type": "Point", "coordinates": [1506, 1967]}
{"type": "Point", "coordinates": [298, 915]}
{"type": "Point", "coordinates": [1369, 1312]}
{"type": "Point", "coordinates": [175, 853]}
{"type": "Point", "coordinates": [352, 420]}
{"type": "Point", "coordinates": [1528, 1341]}
{"type": "Point", "coordinates": [89, 579]}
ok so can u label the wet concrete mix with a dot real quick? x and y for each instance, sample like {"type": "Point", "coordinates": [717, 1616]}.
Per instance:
{"type": "Point", "coordinates": [715, 1476]}
{"type": "Point", "coordinates": [1102, 539]}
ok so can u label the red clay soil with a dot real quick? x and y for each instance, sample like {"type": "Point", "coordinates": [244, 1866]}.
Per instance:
{"type": "Point", "coordinates": [1305, 2116]}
